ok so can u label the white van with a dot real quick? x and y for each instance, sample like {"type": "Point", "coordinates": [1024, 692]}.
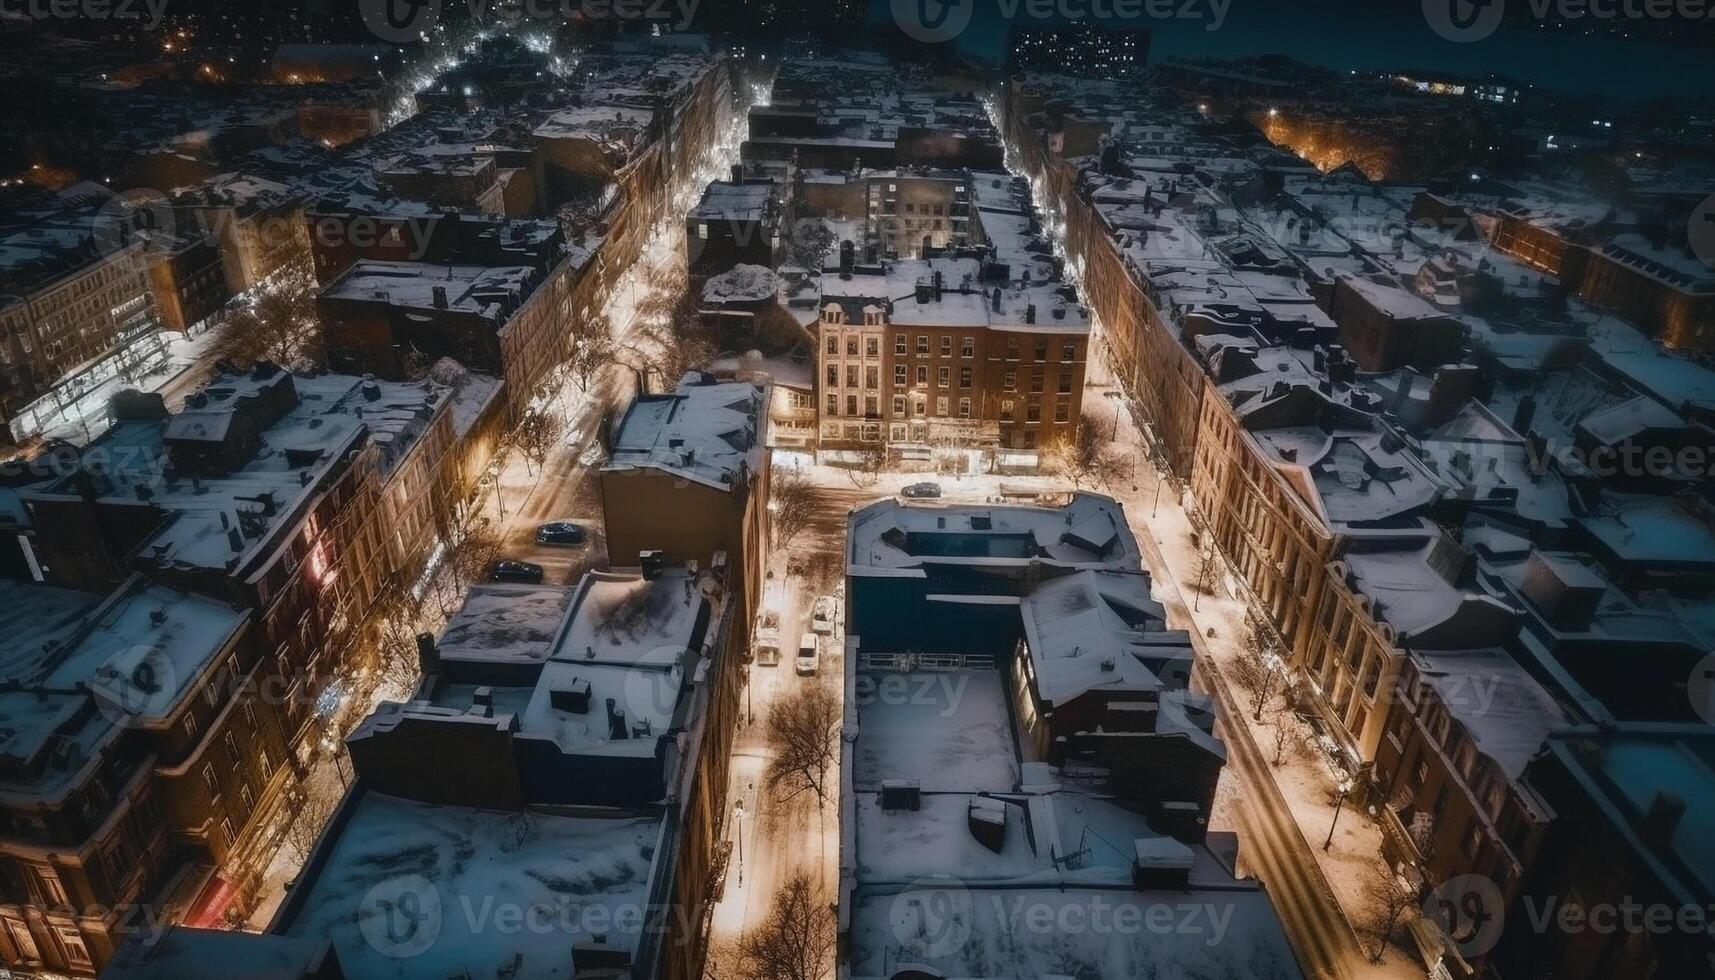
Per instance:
{"type": "Point", "coordinates": [807, 654]}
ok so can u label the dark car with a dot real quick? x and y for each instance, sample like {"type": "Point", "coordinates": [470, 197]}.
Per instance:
{"type": "Point", "coordinates": [560, 532]}
{"type": "Point", "coordinates": [918, 490]}
{"type": "Point", "coordinates": [511, 570]}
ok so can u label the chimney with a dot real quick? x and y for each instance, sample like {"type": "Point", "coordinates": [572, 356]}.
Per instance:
{"type": "Point", "coordinates": [937, 285]}
{"type": "Point", "coordinates": [996, 299]}
{"type": "Point", "coordinates": [573, 697]}
{"type": "Point", "coordinates": [848, 257]}
{"type": "Point", "coordinates": [1525, 413]}
{"type": "Point", "coordinates": [1030, 313]}
{"type": "Point", "coordinates": [1662, 819]}
{"type": "Point", "coordinates": [428, 656]}
{"type": "Point", "coordinates": [616, 722]}
{"type": "Point", "coordinates": [925, 292]}
{"type": "Point", "coordinates": [650, 562]}
{"type": "Point", "coordinates": [1449, 389]}
{"type": "Point", "coordinates": [440, 294]}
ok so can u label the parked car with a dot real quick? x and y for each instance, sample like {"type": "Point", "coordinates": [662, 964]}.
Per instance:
{"type": "Point", "coordinates": [808, 654]}
{"type": "Point", "coordinates": [561, 532]}
{"type": "Point", "coordinates": [513, 570]}
{"type": "Point", "coordinates": [921, 490]}
{"type": "Point", "coordinates": [822, 618]}
{"type": "Point", "coordinates": [768, 638]}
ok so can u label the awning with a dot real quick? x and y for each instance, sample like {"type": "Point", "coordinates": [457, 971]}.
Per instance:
{"type": "Point", "coordinates": [209, 909]}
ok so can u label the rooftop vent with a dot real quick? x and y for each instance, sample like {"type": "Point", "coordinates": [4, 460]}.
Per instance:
{"type": "Point", "coordinates": [901, 794]}
{"type": "Point", "coordinates": [573, 696]}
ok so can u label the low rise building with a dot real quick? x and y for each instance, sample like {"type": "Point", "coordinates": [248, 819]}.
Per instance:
{"type": "Point", "coordinates": [577, 740]}
{"type": "Point", "coordinates": [78, 315]}
{"type": "Point", "coordinates": [296, 497]}
{"type": "Point", "coordinates": [145, 766]}
{"type": "Point", "coordinates": [687, 479]}
{"type": "Point", "coordinates": [1051, 755]}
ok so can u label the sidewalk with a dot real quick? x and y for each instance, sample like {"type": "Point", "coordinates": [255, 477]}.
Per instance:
{"type": "Point", "coordinates": [1305, 781]}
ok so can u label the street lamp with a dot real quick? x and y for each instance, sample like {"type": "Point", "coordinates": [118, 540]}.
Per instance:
{"type": "Point", "coordinates": [494, 474]}
{"type": "Point", "coordinates": [1271, 665]}
{"type": "Point", "coordinates": [1339, 801]}
{"type": "Point", "coordinates": [738, 831]}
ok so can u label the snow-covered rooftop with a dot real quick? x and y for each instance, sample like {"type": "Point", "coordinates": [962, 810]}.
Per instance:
{"type": "Point", "coordinates": [894, 537]}
{"type": "Point", "coordinates": [629, 640]}
{"type": "Point", "coordinates": [1086, 631]}
{"type": "Point", "coordinates": [501, 623]}
{"type": "Point", "coordinates": [218, 520]}
{"type": "Point", "coordinates": [708, 433]}
{"type": "Point", "coordinates": [584, 876]}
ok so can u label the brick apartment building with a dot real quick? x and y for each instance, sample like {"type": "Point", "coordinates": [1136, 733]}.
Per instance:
{"type": "Point", "coordinates": [923, 353]}
{"type": "Point", "coordinates": [145, 769]}
{"type": "Point", "coordinates": [687, 477]}
{"type": "Point", "coordinates": [73, 316]}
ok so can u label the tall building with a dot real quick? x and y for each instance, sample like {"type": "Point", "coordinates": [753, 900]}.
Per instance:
{"type": "Point", "coordinates": [1083, 50]}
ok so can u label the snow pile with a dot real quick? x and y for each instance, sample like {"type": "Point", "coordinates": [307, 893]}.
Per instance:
{"type": "Point", "coordinates": [742, 284]}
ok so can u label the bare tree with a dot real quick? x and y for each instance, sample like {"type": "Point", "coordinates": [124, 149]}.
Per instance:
{"type": "Point", "coordinates": [1084, 456]}
{"type": "Point", "coordinates": [1389, 899]}
{"type": "Point", "coordinates": [469, 553]}
{"type": "Point", "coordinates": [793, 506]}
{"type": "Point", "coordinates": [279, 323]}
{"type": "Point", "coordinates": [593, 349]}
{"type": "Point", "coordinates": [865, 470]}
{"type": "Point", "coordinates": [537, 435]}
{"type": "Point", "coordinates": [810, 241]}
{"type": "Point", "coordinates": [804, 734]}
{"type": "Point", "coordinates": [316, 803]}
{"type": "Point", "coordinates": [399, 617]}
{"type": "Point", "coordinates": [797, 940]}
{"type": "Point", "coordinates": [1206, 567]}
{"type": "Point", "coordinates": [673, 338]}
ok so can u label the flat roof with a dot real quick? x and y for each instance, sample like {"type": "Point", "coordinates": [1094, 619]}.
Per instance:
{"type": "Point", "coordinates": [584, 876]}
